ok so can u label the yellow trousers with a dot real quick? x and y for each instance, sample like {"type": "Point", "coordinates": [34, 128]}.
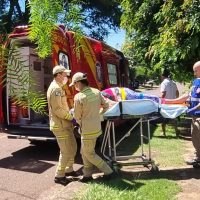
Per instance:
{"type": "Point", "coordinates": [90, 158]}
{"type": "Point", "coordinates": [68, 148]}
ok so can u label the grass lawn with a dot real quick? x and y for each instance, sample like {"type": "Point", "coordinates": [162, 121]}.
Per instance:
{"type": "Point", "coordinates": [123, 189]}
{"type": "Point", "coordinates": [167, 151]}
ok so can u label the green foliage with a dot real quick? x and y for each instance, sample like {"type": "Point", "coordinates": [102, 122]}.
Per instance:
{"type": "Point", "coordinates": [163, 34]}
{"type": "Point", "coordinates": [43, 19]}
{"type": "Point", "coordinates": [72, 20]}
{"type": "Point", "coordinates": [140, 29]}
{"type": "Point", "coordinates": [72, 17]}
{"type": "Point", "coordinates": [99, 16]}
{"type": "Point", "coordinates": [44, 15]}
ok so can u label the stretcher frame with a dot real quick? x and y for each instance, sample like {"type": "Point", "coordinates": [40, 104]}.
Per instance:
{"type": "Point", "coordinates": [109, 141]}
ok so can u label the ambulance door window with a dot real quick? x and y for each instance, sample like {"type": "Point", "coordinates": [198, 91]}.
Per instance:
{"type": "Point", "coordinates": [64, 60]}
{"type": "Point", "coordinates": [37, 71]}
{"type": "Point", "coordinates": [112, 73]}
{"type": "Point", "coordinates": [99, 72]}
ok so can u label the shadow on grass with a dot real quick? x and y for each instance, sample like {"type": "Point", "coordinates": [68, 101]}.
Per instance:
{"type": "Point", "coordinates": [169, 137]}
{"type": "Point", "coordinates": [170, 174]}
{"type": "Point", "coordinates": [132, 142]}
{"type": "Point", "coordinates": [119, 183]}
{"type": "Point", "coordinates": [131, 180]}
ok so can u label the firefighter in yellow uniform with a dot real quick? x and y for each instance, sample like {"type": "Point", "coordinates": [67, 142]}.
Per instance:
{"type": "Point", "coordinates": [87, 105]}
{"type": "Point", "coordinates": [61, 124]}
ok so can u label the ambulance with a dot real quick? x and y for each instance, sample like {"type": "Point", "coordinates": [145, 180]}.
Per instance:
{"type": "Point", "coordinates": [105, 67]}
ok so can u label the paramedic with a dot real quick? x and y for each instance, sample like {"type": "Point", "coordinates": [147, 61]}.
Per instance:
{"type": "Point", "coordinates": [61, 124]}
{"type": "Point", "coordinates": [168, 90]}
{"type": "Point", "coordinates": [194, 98]}
{"type": "Point", "coordinates": [87, 114]}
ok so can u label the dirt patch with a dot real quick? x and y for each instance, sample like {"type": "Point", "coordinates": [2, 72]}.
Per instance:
{"type": "Point", "coordinates": [59, 192]}
{"type": "Point", "coordinates": [191, 183]}
{"type": "Point", "coordinates": [190, 189]}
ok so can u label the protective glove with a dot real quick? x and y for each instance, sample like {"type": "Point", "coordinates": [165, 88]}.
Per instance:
{"type": "Point", "coordinates": [191, 111]}
{"type": "Point", "coordinates": [163, 101]}
{"type": "Point", "coordinates": [71, 111]}
{"type": "Point", "coordinates": [74, 122]}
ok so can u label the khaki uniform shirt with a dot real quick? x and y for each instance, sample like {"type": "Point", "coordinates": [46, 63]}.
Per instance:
{"type": "Point", "coordinates": [87, 105]}
{"type": "Point", "coordinates": [59, 116]}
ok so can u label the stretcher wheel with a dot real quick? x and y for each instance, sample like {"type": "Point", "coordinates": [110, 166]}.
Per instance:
{"type": "Point", "coordinates": [154, 169]}
{"type": "Point", "coordinates": [196, 165]}
{"type": "Point", "coordinates": [116, 167]}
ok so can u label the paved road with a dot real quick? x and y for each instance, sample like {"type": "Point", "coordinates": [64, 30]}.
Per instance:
{"type": "Point", "coordinates": [26, 171]}
{"type": "Point", "coordinates": [156, 89]}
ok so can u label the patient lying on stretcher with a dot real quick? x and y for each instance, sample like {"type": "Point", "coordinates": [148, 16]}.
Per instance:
{"type": "Point", "coordinates": [117, 94]}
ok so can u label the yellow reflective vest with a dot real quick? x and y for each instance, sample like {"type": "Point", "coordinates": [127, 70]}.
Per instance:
{"type": "Point", "coordinates": [87, 104]}
{"type": "Point", "coordinates": [59, 116]}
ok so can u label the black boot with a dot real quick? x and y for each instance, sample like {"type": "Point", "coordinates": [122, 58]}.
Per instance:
{"type": "Point", "coordinates": [73, 173]}
{"type": "Point", "coordinates": [109, 176]}
{"type": "Point", "coordinates": [86, 179]}
{"type": "Point", "coordinates": [61, 180]}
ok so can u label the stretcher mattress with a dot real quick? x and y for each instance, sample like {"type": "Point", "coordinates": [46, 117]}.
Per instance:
{"type": "Point", "coordinates": [141, 107]}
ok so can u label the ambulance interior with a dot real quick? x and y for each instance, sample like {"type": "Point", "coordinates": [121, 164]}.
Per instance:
{"type": "Point", "coordinates": [41, 73]}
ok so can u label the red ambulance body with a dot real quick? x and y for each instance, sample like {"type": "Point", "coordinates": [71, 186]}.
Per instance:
{"type": "Point", "coordinates": [105, 66]}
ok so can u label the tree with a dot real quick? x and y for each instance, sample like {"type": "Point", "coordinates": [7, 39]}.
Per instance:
{"type": "Point", "coordinates": [99, 16]}
{"type": "Point", "coordinates": [141, 28]}
{"type": "Point", "coordinates": [163, 34]}
{"type": "Point", "coordinates": [12, 14]}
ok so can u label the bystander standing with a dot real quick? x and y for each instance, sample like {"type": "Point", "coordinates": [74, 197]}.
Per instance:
{"type": "Point", "coordinates": [168, 90]}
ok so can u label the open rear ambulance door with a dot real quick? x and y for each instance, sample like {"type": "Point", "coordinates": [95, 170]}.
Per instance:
{"type": "Point", "coordinates": [24, 122]}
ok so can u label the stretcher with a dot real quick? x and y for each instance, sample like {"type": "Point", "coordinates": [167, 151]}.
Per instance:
{"type": "Point", "coordinates": [144, 111]}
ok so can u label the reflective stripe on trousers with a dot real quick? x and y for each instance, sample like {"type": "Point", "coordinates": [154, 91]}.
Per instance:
{"type": "Point", "coordinates": [68, 148]}
{"type": "Point", "coordinates": [90, 158]}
